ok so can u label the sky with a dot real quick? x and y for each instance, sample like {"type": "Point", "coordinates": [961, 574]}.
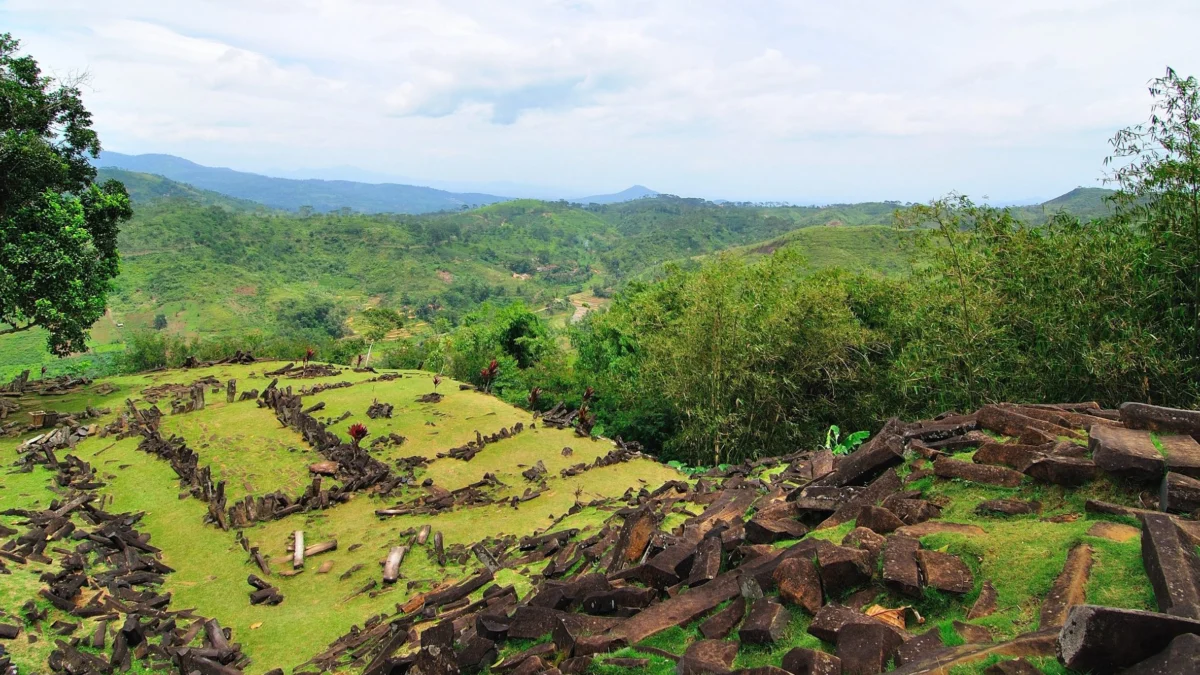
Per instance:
{"type": "Point", "coordinates": [807, 102]}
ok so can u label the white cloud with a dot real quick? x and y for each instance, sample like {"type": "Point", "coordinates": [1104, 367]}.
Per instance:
{"type": "Point", "coordinates": [786, 100]}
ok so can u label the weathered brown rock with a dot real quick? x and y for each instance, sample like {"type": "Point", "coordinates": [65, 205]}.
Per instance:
{"type": "Point", "coordinates": [719, 625]}
{"type": "Point", "coordinates": [867, 540]}
{"type": "Point", "coordinates": [1009, 422]}
{"type": "Point", "coordinates": [634, 538]}
{"type": "Point", "coordinates": [831, 619]}
{"type": "Point", "coordinates": [1158, 418]}
{"type": "Point", "coordinates": [1069, 587]}
{"type": "Point", "coordinates": [1183, 453]}
{"type": "Point", "coordinates": [901, 572]}
{"type": "Point", "coordinates": [800, 661]}
{"type": "Point", "coordinates": [799, 583]}
{"type": "Point", "coordinates": [866, 648]}
{"type": "Point", "coordinates": [911, 511]}
{"type": "Point", "coordinates": [1105, 639]}
{"type": "Point", "coordinates": [920, 647]}
{"type": "Point", "coordinates": [707, 564]}
{"type": "Point", "coordinates": [945, 572]}
{"type": "Point", "coordinates": [760, 530]}
{"type": "Point", "coordinates": [985, 604]}
{"type": "Point", "coordinates": [843, 569]}
{"type": "Point", "coordinates": [765, 623]}
{"type": "Point", "coordinates": [1181, 657]}
{"type": "Point", "coordinates": [1060, 470]}
{"type": "Point", "coordinates": [705, 657]}
{"type": "Point", "coordinates": [884, 449]}
{"type": "Point", "coordinates": [1126, 452]}
{"type": "Point", "coordinates": [1013, 455]}
{"type": "Point", "coordinates": [326, 468]}
{"type": "Point", "coordinates": [683, 608]}
{"type": "Point", "coordinates": [878, 519]}
{"type": "Point", "coordinates": [1172, 565]}
{"type": "Point", "coordinates": [1179, 493]}
{"type": "Point", "coordinates": [1040, 643]}
{"type": "Point", "coordinates": [977, 473]}
{"type": "Point", "coordinates": [878, 490]}
{"type": "Point", "coordinates": [1008, 507]}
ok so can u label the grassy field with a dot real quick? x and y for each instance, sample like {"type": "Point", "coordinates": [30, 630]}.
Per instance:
{"type": "Point", "coordinates": [246, 446]}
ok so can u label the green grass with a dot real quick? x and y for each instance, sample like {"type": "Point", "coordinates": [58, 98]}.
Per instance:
{"type": "Point", "coordinates": [243, 443]}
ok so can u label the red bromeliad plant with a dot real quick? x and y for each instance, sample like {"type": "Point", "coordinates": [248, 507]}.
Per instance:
{"type": "Point", "coordinates": [534, 395]}
{"type": "Point", "coordinates": [488, 374]}
{"type": "Point", "coordinates": [357, 433]}
{"type": "Point", "coordinates": [437, 379]}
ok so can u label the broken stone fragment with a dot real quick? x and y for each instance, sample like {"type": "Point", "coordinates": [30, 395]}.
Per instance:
{"type": "Point", "coordinates": [977, 473]}
{"type": "Point", "coordinates": [800, 661]}
{"type": "Point", "coordinates": [878, 519]}
{"type": "Point", "coordinates": [1008, 507]}
{"type": "Point", "coordinates": [1106, 639]}
{"type": "Point", "coordinates": [704, 657]}
{"type": "Point", "coordinates": [843, 569]}
{"type": "Point", "coordinates": [765, 623]}
{"type": "Point", "coordinates": [901, 572]}
{"type": "Point", "coordinates": [799, 583]}
{"type": "Point", "coordinates": [866, 648]}
{"type": "Point", "coordinates": [945, 572]}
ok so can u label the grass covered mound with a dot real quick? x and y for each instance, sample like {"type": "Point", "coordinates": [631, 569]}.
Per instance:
{"type": "Point", "coordinates": [495, 541]}
{"type": "Point", "coordinates": [247, 448]}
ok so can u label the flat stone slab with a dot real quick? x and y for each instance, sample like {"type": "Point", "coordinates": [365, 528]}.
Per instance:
{"type": "Point", "coordinates": [1062, 470]}
{"type": "Point", "coordinates": [1158, 418]}
{"type": "Point", "coordinates": [683, 608]}
{"type": "Point", "coordinates": [1105, 639]}
{"type": "Point", "coordinates": [1013, 455]}
{"type": "Point", "coordinates": [939, 527]}
{"type": "Point", "coordinates": [945, 572]}
{"type": "Point", "coordinates": [1012, 667]}
{"type": "Point", "coordinates": [1069, 587]}
{"type": "Point", "coordinates": [1172, 566]}
{"type": "Point", "coordinates": [1183, 453]}
{"type": "Point", "coordinates": [977, 473]}
{"type": "Point", "coordinates": [1126, 452]}
{"type": "Point", "coordinates": [1040, 643]}
{"type": "Point", "coordinates": [1118, 532]}
{"type": "Point", "coordinates": [831, 619]}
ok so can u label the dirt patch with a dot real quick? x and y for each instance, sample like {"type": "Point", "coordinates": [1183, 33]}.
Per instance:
{"type": "Point", "coordinates": [246, 290]}
{"type": "Point", "coordinates": [445, 276]}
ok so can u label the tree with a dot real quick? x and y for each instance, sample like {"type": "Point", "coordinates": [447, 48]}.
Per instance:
{"type": "Point", "coordinates": [377, 323]}
{"type": "Point", "coordinates": [1158, 173]}
{"type": "Point", "coordinates": [58, 229]}
{"type": "Point", "coordinates": [160, 321]}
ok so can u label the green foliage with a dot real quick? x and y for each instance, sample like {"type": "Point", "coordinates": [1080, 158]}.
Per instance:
{"type": "Point", "coordinates": [311, 317]}
{"type": "Point", "coordinates": [160, 321]}
{"type": "Point", "coordinates": [843, 446]}
{"type": "Point", "coordinates": [58, 230]}
{"type": "Point", "coordinates": [377, 322]}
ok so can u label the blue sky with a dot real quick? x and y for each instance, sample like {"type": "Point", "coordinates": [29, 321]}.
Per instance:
{"type": "Point", "coordinates": [799, 101]}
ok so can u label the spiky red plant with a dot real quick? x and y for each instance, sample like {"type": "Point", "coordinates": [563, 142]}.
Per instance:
{"type": "Point", "coordinates": [488, 374]}
{"type": "Point", "coordinates": [437, 379]}
{"type": "Point", "coordinates": [357, 433]}
{"type": "Point", "coordinates": [308, 354]}
{"type": "Point", "coordinates": [534, 395]}
{"type": "Point", "coordinates": [588, 394]}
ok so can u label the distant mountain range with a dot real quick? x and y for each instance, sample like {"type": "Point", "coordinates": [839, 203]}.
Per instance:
{"type": "Point", "coordinates": [635, 192]}
{"type": "Point", "coordinates": [321, 195]}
